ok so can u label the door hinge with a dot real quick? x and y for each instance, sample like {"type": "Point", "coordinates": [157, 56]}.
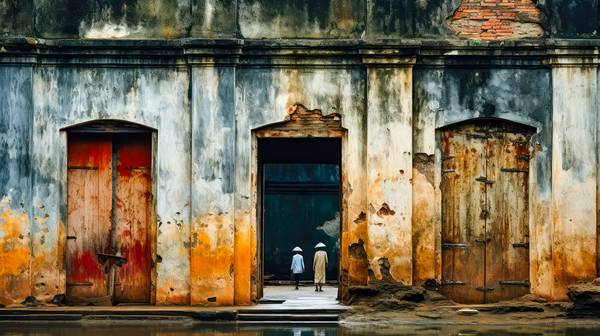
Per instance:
{"type": "Point", "coordinates": [454, 245]}
{"type": "Point", "coordinates": [515, 282]}
{"type": "Point", "coordinates": [483, 179]}
{"type": "Point", "coordinates": [448, 171]}
{"type": "Point", "coordinates": [452, 283]}
{"type": "Point", "coordinates": [514, 170]}
{"type": "Point", "coordinates": [523, 245]}
{"type": "Point", "coordinates": [524, 157]}
{"type": "Point", "coordinates": [485, 289]}
{"type": "Point", "coordinates": [71, 237]}
{"type": "Point", "coordinates": [483, 240]}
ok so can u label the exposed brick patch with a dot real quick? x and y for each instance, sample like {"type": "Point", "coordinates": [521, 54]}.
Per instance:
{"type": "Point", "coordinates": [497, 19]}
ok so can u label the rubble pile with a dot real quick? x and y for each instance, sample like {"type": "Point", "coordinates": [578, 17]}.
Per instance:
{"type": "Point", "coordinates": [585, 298]}
{"type": "Point", "coordinates": [386, 296]}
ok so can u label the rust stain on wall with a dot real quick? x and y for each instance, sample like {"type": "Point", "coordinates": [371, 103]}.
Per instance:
{"type": "Point", "coordinates": [423, 221]}
{"type": "Point", "coordinates": [14, 254]}
{"type": "Point", "coordinates": [212, 260]}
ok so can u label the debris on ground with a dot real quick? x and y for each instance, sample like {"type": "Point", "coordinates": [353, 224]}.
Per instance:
{"type": "Point", "coordinates": [31, 301]}
{"type": "Point", "coordinates": [467, 312]}
{"type": "Point", "coordinates": [385, 296]}
{"type": "Point", "coordinates": [59, 299]}
{"type": "Point", "coordinates": [585, 298]}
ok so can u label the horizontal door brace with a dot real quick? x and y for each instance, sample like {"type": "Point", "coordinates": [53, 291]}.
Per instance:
{"type": "Point", "coordinates": [515, 282]}
{"type": "Point", "coordinates": [82, 167]}
{"type": "Point", "coordinates": [485, 289]}
{"type": "Point", "coordinates": [454, 245]}
{"type": "Point", "coordinates": [452, 283]}
{"type": "Point", "coordinates": [87, 284]}
{"type": "Point", "coordinates": [514, 170]}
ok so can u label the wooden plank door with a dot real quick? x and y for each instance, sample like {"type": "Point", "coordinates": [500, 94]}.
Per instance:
{"type": "Point", "coordinates": [133, 216]}
{"type": "Point", "coordinates": [485, 232]}
{"type": "Point", "coordinates": [89, 202]}
{"type": "Point", "coordinates": [507, 229]}
{"type": "Point", "coordinates": [463, 227]}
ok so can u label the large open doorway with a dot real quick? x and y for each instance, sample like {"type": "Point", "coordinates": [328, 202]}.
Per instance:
{"type": "Point", "coordinates": [485, 210]}
{"type": "Point", "coordinates": [109, 215]}
{"type": "Point", "coordinates": [300, 206]}
{"type": "Point", "coordinates": [299, 170]}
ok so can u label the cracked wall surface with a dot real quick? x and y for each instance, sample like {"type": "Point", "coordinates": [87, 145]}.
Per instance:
{"type": "Point", "coordinates": [350, 19]}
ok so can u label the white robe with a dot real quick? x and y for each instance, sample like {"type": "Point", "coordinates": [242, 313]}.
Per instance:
{"type": "Point", "coordinates": [297, 264]}
{"type": "Point", "coordinates": [320, 266]}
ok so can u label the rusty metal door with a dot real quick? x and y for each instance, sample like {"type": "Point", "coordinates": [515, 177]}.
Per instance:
{"type": "Point", "coordinates": [109, 200]}
{"type": "Point", "coordinates": [485, 231]}
{"type": "Point", "coordinates": [132, 216]}
{"type": "Point", "coordinates": [89, 206]}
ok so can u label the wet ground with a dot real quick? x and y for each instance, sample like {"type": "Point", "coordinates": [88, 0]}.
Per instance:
{"type": "Point", "coordinates": [291, 311]}
{"type": "Point", "coordinates": [158, 329]}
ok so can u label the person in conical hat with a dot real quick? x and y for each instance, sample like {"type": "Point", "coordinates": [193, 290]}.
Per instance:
{"type": "Point", "coordinates": [320, 266]}
{"type": "Point", "coordinates": [297, 267]}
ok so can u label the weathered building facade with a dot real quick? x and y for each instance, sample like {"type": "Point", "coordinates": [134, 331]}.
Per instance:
{"type": "Point", "coordinates": [468, 136]}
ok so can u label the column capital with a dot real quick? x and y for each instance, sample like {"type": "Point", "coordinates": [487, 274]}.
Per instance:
{"type": "Point", "coordinates": [573, 57]}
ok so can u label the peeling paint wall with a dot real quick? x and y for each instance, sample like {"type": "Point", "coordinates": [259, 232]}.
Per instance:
{"type": "Point", "coordinates": [154, 97]}
{"type": "Point", "coordinates": [389, 171]}
{"type": "Point", "coordinates": [301, 19]}
{"type": "Point", "coordinates": [212, 227]}
{"type": "Point", "coordinates": [348, 19]}
{"type": "Point", "coordinates": [15, 183]}
{"type": "Point", "coordinates": [15, 17]}
{"type": "Point", "coordinates": [116, 19]}
{"type": "Point", "coordinates": [574, 168]}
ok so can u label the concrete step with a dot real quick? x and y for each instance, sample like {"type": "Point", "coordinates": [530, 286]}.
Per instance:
{"type": "Point", "coordinates": [40, 317]}
{"type": "Point", "coordinates": [288, 317]}
{"type": "Point", "coordinates": [294, 311]}
{"type": "Point", "coordinates": [138, 317]}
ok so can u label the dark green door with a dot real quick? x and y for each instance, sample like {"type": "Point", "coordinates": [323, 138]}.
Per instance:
{"type": "Point", "coordinates": [301, 208]}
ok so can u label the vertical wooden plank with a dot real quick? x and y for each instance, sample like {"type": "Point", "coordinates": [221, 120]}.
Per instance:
{"type": "Point", "coordinates": [89, 202]}
{"type": "Point", "coordinates": [507, 253]}
{"type": "Point", "coordinates": [463, 198]}
{"type": "Point", "coordinates": [132, 216]}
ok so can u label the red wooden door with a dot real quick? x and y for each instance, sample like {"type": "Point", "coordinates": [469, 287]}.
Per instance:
{"type": "Point", "coordinates": [109, 212]}
{"type": "Point", "coordinates": [133, 199]}
{"type": "Point", "coordinates": [89, 203]}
